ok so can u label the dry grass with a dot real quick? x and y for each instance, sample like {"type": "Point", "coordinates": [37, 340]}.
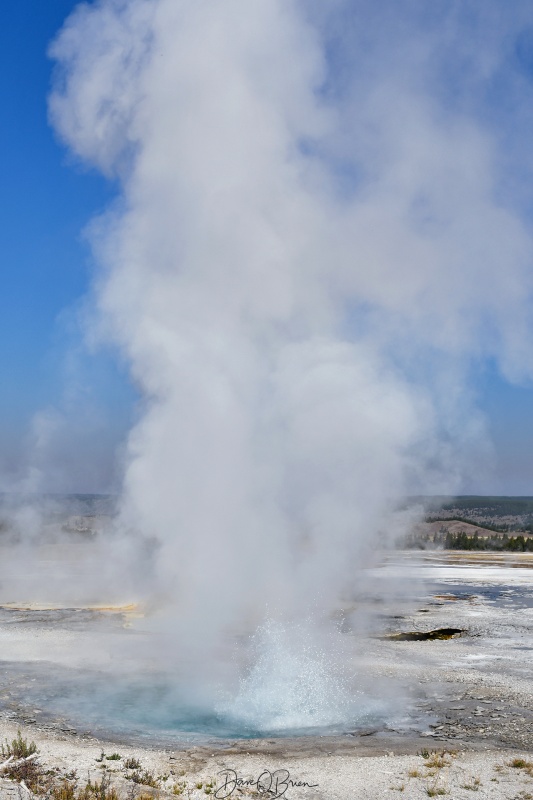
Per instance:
{"type": "Point", "coordinates": [434, 762]}
{"type": "Point", "coordinates": [27, 771]}
{"type": "Point", "coordinates": [132, 763]}
{"type": "Point", "coordinates": [24, 767]}
{"type": "Point", "coordinates": [521, 763]}
{"type": "Point", "coordinates": [97, 791]}
{"type": "Point", "coordinates": [145, 778]}
{"type": "Point", "coordinates": [438, 759]}
{"type": "Point", "coordinates": [473, 785]}
{"type": "Point", "coordinates": [68, 790]}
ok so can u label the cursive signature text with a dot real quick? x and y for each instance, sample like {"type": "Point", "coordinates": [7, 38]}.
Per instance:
{"type": "Point", "coordinates": [273, 784]}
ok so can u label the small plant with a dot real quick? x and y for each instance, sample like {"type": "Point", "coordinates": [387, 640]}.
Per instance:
{"type": "Point", "coordinates": [132, 763]}
{"type": "Point", "coordinates": [131, 793]}
{"type": "Point", "coordinates": [179, 788]}
{"type": "Point", "coordinates": [434, 790]}
{"type": "Point", "coordinates": [114, 757]}
{"type": "Point", "coordinates": [145, 778]}
{"type": "Point", "coordinates": [24, 765]}
{"type": "Point", "coordinates": [520, 763]}
{"type": "Point", "coordinates": [473, 786]}
{"type": "Point", "coordinates": [65, 791]}
{"type": "Point", "coordinates": [437, 761]}
{"type": "Point", "coordinates": [19, 748]}
{"type": "Point", "coordinates": [31, 772]}
{"type": "Point", "coordinates": [414, 773]}
{"type": "Point", "coordinates": [97, 791]}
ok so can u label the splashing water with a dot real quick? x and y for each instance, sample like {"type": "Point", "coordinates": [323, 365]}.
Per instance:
{"type": "Point", "coordinates": [294, 686]}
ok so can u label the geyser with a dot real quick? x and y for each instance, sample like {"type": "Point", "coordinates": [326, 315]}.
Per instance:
{"type": "Point", "coordinates": [300, 264]}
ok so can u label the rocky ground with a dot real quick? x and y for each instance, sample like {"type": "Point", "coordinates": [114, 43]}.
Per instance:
{"type": "Point", "coordinates": [467, 726]}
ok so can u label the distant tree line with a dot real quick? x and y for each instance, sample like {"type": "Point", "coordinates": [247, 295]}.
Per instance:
{"type": "Point", "coordinates": [495, 505]}
{"type": "Point", "coordinates": [489, 526]}
{"type": "Point", "coordinates": [462, 541]}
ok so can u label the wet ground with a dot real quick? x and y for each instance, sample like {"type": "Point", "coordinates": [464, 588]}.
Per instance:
{"type": "Point", "coordinates": [474, 690]}
{"type": "Point", "coordinates": [478, 686]}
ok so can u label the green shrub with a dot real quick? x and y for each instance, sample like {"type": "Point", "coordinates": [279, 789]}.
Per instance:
{"type": "Point", "coordinates": [19, 748]}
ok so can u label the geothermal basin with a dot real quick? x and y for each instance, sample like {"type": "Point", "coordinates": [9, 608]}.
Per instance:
{"type": "Point", "coordinates": [66, 684]}
{"type": "Point", "coordinates": [72, 669]}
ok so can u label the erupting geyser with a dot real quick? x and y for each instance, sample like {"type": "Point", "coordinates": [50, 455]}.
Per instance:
{"type": "Point", "coordinates": [298, 267]}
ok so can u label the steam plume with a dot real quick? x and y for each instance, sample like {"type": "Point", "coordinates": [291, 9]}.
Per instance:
{"type": "Point", "coordinates": [309, 249]}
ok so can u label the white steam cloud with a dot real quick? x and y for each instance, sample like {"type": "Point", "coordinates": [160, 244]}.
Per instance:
{"type": "Point", "coordinates": [312, 243]}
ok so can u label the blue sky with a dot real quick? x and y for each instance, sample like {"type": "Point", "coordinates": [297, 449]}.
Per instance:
{"type": "Point", "coordinates": [46, 202]}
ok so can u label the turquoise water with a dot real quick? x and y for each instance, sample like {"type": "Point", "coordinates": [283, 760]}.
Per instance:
{"type": "Point", "coordinates": [152, 710]}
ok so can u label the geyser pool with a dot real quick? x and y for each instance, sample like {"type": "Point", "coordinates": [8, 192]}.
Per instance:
{"type": "Point", "coordinates": [152, 707]}
{"type": "Point", "coordinates": [159, 711]}
{"type": "Point", "coordinates": [289, 686]}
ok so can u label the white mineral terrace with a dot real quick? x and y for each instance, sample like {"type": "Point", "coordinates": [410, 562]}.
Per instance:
{"type": "Point", "coordinates": [471, 695]}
